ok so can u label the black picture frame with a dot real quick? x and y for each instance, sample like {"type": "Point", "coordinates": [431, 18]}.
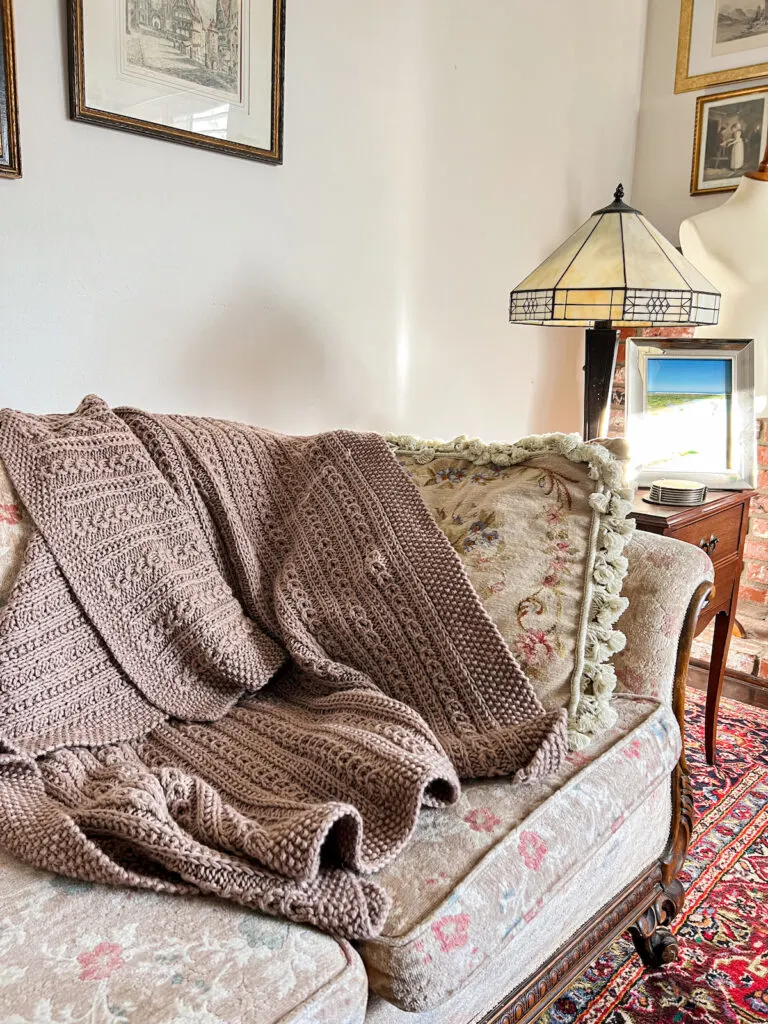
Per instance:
{"type": "Point", "coordinates": [10, 143]}
{"type": "Point", "coordinates": [81, 110]}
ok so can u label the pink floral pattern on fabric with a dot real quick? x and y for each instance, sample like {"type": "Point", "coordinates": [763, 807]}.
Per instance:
{"type": "Point", "coordinates": [451, 931]}
{"type": "Point", "coordinates": [533, 850]}
{"type": "Point", "coordinates": [76, 951]}
{"type": "Point", "coordinates": [10, 514]}
{"type": "Point", "coordinates": [101, 961]}
{"type": "Point", "coordinates": [482, 819]}
{"type": "Point", "coordinates": [633, 749]}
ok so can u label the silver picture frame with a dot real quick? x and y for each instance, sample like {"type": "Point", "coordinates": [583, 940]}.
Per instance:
{"type": "Point", "coordinates": [687, 433]}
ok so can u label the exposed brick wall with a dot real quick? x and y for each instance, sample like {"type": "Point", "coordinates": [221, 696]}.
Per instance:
{"type": "Point", "coordinates": [753, 593]}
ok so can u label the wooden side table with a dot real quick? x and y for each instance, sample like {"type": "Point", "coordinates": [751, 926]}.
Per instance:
{"type": "Point", "coordinates": [719, 526]}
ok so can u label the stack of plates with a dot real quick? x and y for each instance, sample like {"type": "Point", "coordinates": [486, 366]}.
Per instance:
{"type": "Point", "coordinates": [677, 492]}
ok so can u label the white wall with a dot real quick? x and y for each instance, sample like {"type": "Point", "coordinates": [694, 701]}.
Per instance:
{"type": "Point", "coordinates": [435, 151]}
{"type": "Point", "coordinates": [666, 127]}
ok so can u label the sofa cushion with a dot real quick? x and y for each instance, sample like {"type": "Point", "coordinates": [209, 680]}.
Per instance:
{"type": "Point", "coordinates": [476, 876]}
{"type": "Point", "coordinates": [540, 526]}
{"type": "Point", "coordinates": [75, 951]}
{"type": "Point", "coordinates": [637, 843]}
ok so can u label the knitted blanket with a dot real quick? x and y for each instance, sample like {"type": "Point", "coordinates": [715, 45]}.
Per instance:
{"type": "Point", "coordinates": [238, 663]}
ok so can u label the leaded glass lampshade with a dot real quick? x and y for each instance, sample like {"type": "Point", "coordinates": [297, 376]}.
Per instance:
{"type": "Point", "coordinates": [615, 268]}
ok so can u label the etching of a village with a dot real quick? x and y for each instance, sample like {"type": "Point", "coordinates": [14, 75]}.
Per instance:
{"type": "Point", "coordinates": [196, 42]}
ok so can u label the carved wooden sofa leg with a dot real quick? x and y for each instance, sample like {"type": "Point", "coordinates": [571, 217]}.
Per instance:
{"type": "Point", "coordinates": [651, 933]}
{"type": "Point", "coordinates": [653, 939]}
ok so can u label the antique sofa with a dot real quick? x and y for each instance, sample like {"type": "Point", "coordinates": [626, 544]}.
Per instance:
{"type": "Point", "coordinates": [498, 902]}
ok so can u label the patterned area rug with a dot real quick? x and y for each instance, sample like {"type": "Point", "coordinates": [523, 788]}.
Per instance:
{"type": "Point", "coordinates": [722, 973]}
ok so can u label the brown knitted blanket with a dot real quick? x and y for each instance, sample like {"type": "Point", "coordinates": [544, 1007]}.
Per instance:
{"type": "Point", "coordinates": [239, 663]}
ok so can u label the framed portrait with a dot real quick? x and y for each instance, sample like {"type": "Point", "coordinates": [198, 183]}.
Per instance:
{"type": "Point", "coordinates": [205, 73]}
{"type": "Point", "coordinates": [10, 147]}
{"type": "Point", "coordinates": [721, 41]}
{"type": "Point", "coordinates": [729, 139]}
{"type": "Point", "coordinates": [690, 410]}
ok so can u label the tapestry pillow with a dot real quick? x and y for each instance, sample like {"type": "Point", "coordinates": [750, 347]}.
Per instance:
{"type": "Point", "coordinates": [540, 526]}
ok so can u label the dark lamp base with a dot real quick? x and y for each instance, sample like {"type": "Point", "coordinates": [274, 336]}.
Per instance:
{"type": "Point", "coordinates": [602, 343]}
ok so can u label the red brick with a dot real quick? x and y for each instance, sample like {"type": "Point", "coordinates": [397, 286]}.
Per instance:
{"type": "Point", "coordinates": [760, 503]}
{"type": "Point", "coordinates": [756, 548]}
{"type": "Point", "coordinates": [756, 571]}
{"type": "Point", "coordinates": [758, 527]}
{"type": "Point", "coordinates": [762, 429]}
{"type": "Point", "coordinates": [762, 669]}
{"type": "Point", "coordinates": [762, 479]}
{"type": "Point", "coordinates": [762, 453]}
{"type": "Point", "coordinates": [753, 594]}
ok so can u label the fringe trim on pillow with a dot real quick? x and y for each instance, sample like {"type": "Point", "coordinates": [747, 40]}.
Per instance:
{"type": "Point", "coordinates": [593, 680]}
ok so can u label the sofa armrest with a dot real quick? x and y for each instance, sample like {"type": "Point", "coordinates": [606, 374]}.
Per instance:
{"type": "Point", "coordinates": [661, 581]}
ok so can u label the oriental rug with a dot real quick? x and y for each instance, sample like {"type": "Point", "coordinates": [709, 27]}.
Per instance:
{"type": "Point", "coordinates": [721, 976]}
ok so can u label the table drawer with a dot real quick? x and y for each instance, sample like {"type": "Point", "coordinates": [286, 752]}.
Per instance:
{"type": "Point", "coordinates": [726, 585]}
{"type": "Point", "coordinates": [721, 531]}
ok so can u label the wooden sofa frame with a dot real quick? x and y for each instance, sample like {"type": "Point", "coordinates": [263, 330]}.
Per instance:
{"type": "Point", "coordinates": [647, 906]}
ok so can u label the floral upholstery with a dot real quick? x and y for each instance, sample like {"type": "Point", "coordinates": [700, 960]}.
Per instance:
{"type": "Point", "coordinates": [476, 876]}
{"type": "Point", "coordinates": [73, 951]}
{"type": "Point", "coordinates": [662, 577]}
{"type": "Point", "coordinates": [622, 859]}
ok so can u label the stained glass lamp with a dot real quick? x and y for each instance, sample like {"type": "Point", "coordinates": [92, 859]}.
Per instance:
{"type": "Point", "coordinates": [615, 271]}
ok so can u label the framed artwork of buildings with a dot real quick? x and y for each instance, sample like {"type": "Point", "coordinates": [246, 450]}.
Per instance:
{"type": "Point", "coordinates": [721, 41]}
{"type": "Point", "coordinates": [10, 148]}
{"type": "Point", "coordinates": [206, 73]}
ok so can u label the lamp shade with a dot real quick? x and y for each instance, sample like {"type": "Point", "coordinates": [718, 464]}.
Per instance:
{"type": "Point", "coordinates": [615, 268]}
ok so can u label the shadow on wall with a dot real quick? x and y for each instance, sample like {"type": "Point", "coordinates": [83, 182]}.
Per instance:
{"type": "Point", "coordinates": [260, 361]}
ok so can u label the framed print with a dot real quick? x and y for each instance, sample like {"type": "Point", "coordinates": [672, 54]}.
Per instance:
{"type": "Point", "coordinates": [206, 73]}
{"type": "Point", "coordinates": [729, 140]}
{"type": "Point", "coordinates": [10, 148]}
{"type": "Point", "coordinates": [721, 41]}
{"type": "Point", "coordinates": [690, 410]}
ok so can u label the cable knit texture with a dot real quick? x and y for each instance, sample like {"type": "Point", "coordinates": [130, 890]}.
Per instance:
{"type": "Point", "coordinates": [239, 663]}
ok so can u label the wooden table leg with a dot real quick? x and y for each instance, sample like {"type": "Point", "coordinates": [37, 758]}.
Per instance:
{"type": "Point", "coordinates": [720, 645]}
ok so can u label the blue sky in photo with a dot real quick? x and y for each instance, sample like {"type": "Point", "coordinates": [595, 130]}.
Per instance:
{"type": "Point", "coordinates": [689, 376]}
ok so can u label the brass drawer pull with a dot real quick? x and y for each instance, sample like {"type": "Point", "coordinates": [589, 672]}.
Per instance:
{"type": "Point", "coordinates": [709, 545]}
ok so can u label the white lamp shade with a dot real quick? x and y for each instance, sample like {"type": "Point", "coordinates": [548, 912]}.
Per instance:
{"type": "Point", "coordinates": [616, 267]}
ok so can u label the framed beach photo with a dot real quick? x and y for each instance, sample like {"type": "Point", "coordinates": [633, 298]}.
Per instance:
{"type": "Point", "coordinates": [721, 41]}
{"type": "Point", "coordinates": [10, 146]}
{"type": "Point", "coordinates": [729, 139]}
{"type": "Point", "coordinates": [690, 410]}
{"type": "Point", "coordinates": [205, 73]}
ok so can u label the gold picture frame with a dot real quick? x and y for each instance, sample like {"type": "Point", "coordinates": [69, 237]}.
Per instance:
{"type": "Point", "coordinates": [205, 73]}
{"type": "Point", "coordinates": [10, 145]}
{"type": "Point", "coordinates": [740, 119]}
{"type": "Point", "coordinates": [685, 81]}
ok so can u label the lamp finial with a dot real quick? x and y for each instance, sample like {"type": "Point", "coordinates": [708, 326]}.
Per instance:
{"type": "Point", "coordinates": [618, 195]}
